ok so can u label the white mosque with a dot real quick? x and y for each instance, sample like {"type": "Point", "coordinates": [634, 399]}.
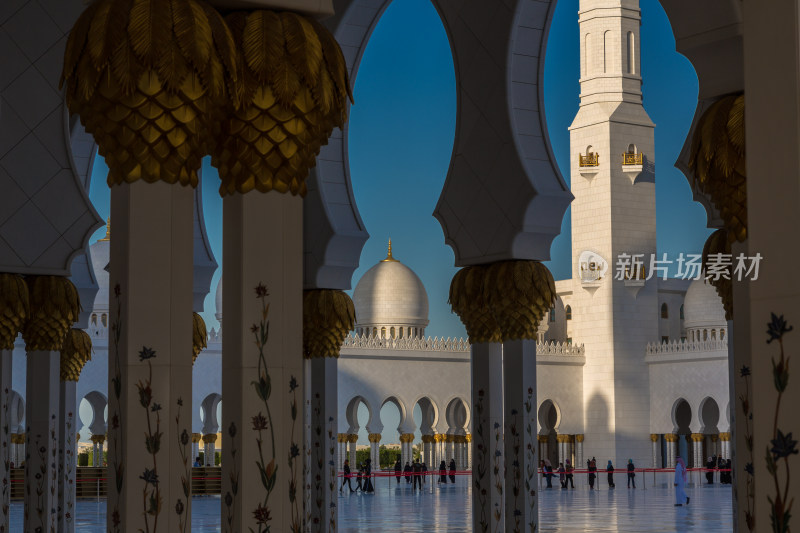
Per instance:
{"type": "Point", "coordinates": [626, 368]}
{"type": "Point", "coordinates": [388, 359]}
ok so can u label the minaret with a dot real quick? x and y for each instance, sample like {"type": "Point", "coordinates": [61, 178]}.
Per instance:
{"type": "Point", "coordinates": [612, 178]}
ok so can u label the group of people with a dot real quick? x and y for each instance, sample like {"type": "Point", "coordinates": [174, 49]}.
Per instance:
{"type": "Point", "coordinates": [724, 467]}
{"type": "Point", "coordinates": [418, 471]}
{"type": "Point", "coordinates": [566, 473]}
{"type": "Point", "coordinates": [363, 477]}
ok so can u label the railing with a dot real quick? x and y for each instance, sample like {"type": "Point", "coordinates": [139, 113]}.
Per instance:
{"type": "Point", "coordinates": [632, 159]}
{"type": "Point", "coordinates": [686, 347]}
{"type": "Point", "coordinates": [92, 481]}
{"type": "Point", "coordinates": [592, 159]}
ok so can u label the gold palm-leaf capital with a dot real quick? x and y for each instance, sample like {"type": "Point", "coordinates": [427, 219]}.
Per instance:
{"type": "Point", "coordinates": [295, 90]}
{"type": "Point", "coordinates": [717, 161]}
{"type": "Point", "coordinates": [519, 293]}
{"type": "Point", "coordinates": [328, 315]}
{"type": "Point", "coordinates": [54, 307]}
{"type": "Point", "coordinates": [77, 351]}
{"type": "Point", "coordinates": [147, 78]}
{"type": "Point", "coordinates": [14, 308]}
{"type": "Point", "coordinates": [199, 335]}
{"type": "Point", "coordinates": [467, 300]}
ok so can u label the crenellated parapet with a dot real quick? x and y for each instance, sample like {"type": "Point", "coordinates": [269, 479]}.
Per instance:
{"type": "Point", "coordinates": [676, 347]}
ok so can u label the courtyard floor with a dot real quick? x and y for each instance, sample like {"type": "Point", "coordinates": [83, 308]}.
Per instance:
{"type": "Point", "coordinates": [447, 508]}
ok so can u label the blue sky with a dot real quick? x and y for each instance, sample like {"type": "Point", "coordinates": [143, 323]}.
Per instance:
{"type": "Point", "coordinates": [401, 138]}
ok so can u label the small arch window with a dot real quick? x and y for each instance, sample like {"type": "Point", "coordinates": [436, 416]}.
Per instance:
{"type": "Point", "coordinates": [94, 319]}
{"type": "Point", "coordinates": [383, 333]}
{"type": "Point", "coordinates": [722, 334]}
{"type": "Point", "coordinates": [664, 311]}
{"type": "Point", "coordinates": [552, 314]}
{"type": "Point", "coordinates": [705, 334]}
{"type": "Point", "coordinates": [713, 334]}
{"type": "Point", "coordinates": [391, 332]}
{"type": "Point", "coordinates": [568, 312]}
{"type": "Point", "coordinates": [374, 332]}
{"type": "Point", "coordinates": [104, 320]}
{"type": "Point", "coordinates": [681, 312]}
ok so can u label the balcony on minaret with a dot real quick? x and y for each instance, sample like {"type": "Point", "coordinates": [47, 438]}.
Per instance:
{"type": "Point", "coordinates": [588, 164]}
{"type": "Point", "coordinates": [632, 163]}
{"type": "Point", "coordinates": [635, 277]}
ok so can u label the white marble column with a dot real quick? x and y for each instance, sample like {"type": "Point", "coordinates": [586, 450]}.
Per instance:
{"type": "Point", "coordinates": [322, 475]}
{"type": "Point", "coordinates": [149, 355]}
{"type": "Point", "coordinates": [520, 410]}
{"type": "Point", "coordinates": [352, 439]}
{"type": "Point", "coordinates": [672, 440]}
{"type": "Point", "coordinates": [450, 449]}
{"type": "Point", "coordinates": [196, 437]}
{"type": "Point", "coordinates": [543, 451]}
{"type": "Point", "coordinates": [342, 442]}
{"type": "Point", "coordinates": [262, 247]}
{"type": "Point", "coordinates": [469, 451]}
{"type": "Point", "coordinates": [426, 450]}
{"type": "Point", "coordinates": [697, 449]}
{"type": "Point", "coordinates": [579, 462]}
{"type": "Point", "coordinates": [487, 428]}
{"type": "Point", "coordinates": [209, 448]}
{"type": "Point", "coordinates": [7, 449]}
{"type": "Point", "coordinates": [654, 443]}
{"type": "Point", "coordinates": [68, 414]}
{"type": "Point", "coordinates": [41, 417]}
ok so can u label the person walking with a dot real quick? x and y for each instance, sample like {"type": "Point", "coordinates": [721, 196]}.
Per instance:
{"type": "Point", "coordinates": [680, 482]}
{"type": "Point", "coordinates": [359, 477]}
{"type": "Point", "coordinates": [407, 472]}
{"type": "Point", "coordinates": [424, 469]}
{"type": "Point", "coordinates": [346, 478]}
{"type": "Point", "coordinates": [631, 473]}
{"type": "Point", "coordinates": [569, 470]}
{"type": "Point", "coordinates": [397, 469]}
{"type": "Point", "coordinates": [548, 473]}
{"type": "Point", "coordinates": [591, 466]}
{"type": "Point", "coordinates": [417, 469]}
{"type": "Point", "coordinates": [562, 478]}
{"type": "Point", "coordinates": [368, 488]}
{"type": "Point", "coordinates": [452, 470]}
{"type": "Point", "coordinates": [442, 472]}
{"type": "Point", "coordinates": [610, 470]}
{"type": "Point", "coordinates": [711, 464]}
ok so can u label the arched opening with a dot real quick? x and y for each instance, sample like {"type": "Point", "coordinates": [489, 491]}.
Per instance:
{"type": "Point", "coordinates": [394, 423]}
{"type": "Point", "coordinates": [682, 419]}
{"type": "Point", "coordinates": [681, 312]}
{"type": "Point", "coordinates": [664, 311]}
{"type": "Point", "coordinates": [709, 416]}
{"type": "Point", "coordinates": [425, 415]}
{"type": "Point", "coordinates": [568, 312]}
{"type": "Point", "coordinates": [549, 420]}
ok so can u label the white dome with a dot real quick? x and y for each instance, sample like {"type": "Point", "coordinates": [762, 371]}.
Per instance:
{"type": "Point", "coordinates": [218, 301]}
{"type": "Point", "coordinates": [702, 307]}
{"type": "Point", "coordinates": [390, 294]}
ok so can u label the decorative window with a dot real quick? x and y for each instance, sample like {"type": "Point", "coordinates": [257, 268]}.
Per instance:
{"type": "Point", "coordinates": [568, 312]}
{"type": "Point", "coordinates": [664, 311]}
{"type": "Point", "coordinates": [631, 54]}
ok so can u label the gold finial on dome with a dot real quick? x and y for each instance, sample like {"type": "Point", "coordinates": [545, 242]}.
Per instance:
{"type": "Point", "coordinates": [389, 253]}
{"type": "Point", "coordinates": [108, 230]}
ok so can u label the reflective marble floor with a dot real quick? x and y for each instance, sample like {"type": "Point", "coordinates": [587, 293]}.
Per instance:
{"type": "Point", "coordinates": [446, 508]}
